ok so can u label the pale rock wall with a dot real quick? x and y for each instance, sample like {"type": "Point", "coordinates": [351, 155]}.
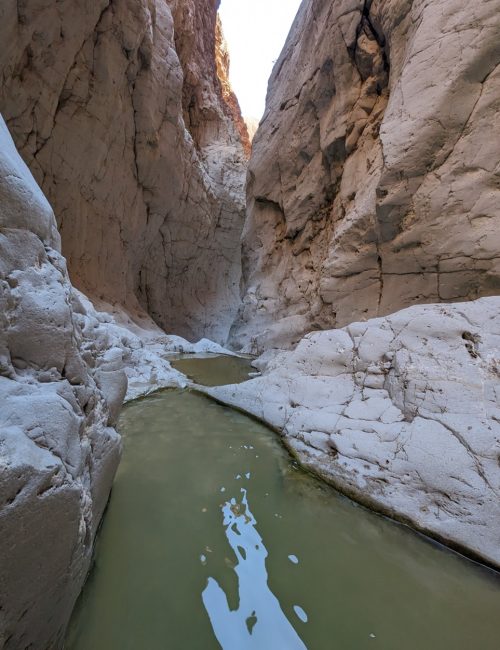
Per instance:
{"type": "Point", "coordinates": [60, 393]}
{"type": "Point", "coordinates": [401, 413]}
{"type": "Point", "coordinates": [374, 180]}
{"type": "Point", "coordinates": [150, 209]}
{"type": "Point", "coordinates": [252, 126]}
{"type": "Point", "coordinates": [116, 107]}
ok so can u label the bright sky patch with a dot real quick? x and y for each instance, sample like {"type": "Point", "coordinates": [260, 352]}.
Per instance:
{"type": "Point", "coordinates": [255, 31]}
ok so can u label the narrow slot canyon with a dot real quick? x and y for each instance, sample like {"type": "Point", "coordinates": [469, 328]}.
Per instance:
{"type": "Point", "coordinates": [249, 340]}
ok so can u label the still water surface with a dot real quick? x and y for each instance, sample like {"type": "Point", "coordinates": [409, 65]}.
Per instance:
{"type": "Point", "coordinates": [215, 539]}
{"type": "Point", "coordinates": [213, 370]}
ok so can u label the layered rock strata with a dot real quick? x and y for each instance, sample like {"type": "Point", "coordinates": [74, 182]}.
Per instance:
{"type": "Point", "coordinates": [400, 413]}
{"type": "Point", "coordinates": [117, 109]}
{"type": "Point", "coordinates": [60, 393]}
{"type": "Point", "coordinates": [374, 177]}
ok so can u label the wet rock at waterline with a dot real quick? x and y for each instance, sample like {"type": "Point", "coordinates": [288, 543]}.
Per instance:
{"type": "Point", "coordinates": [59, 398]}
{"type": "Point", "coordinates": [374, 175]}
{"type": "Point", "coordinates": [119, 112]}
{"type": "Point", "coordinates": [401, 413]}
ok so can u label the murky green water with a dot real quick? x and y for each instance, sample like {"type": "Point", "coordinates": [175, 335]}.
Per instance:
{"type": "Point", "coordinates": [213, 533]}
{"type": "Point", "coordinates": [213, 370]}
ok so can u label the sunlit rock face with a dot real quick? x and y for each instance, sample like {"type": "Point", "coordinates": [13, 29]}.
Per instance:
{"type": "Point", "coordinates": [401, 413]}
{"type": "Point", "coordinates": [374, 178]}
{"type": "Point", "coordinates": [223, 63]}
{"type": "Point", "coordinates": [61, 388]}
{"type": "Point", "coordinates": [117, 109]}
{"type": "Point", "coordinates": [252, 126]}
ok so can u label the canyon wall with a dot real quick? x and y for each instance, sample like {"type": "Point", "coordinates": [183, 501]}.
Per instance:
{"type": "Point", "coordinates": [64, 370]}
{"type": "Point", "coordinates": [117, 108]}
{"type": "Point", "coordinates": [60, 393]}
{"type": "Point", "coordinates": [123, 113]}
{"type": "Point", "coordinates": [374, 180]}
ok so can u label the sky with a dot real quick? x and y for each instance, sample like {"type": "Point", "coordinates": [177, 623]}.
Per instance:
{"type": "Point", "coordinates": [255, 32]}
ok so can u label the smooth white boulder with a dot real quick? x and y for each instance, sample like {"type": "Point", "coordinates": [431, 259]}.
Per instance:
{"type": "Point", "coordinates": [401, 413]}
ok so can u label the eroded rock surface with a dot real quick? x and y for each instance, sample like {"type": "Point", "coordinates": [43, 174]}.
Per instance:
{"type": "Point", "coordinates": [252, 126]}
{"type": "Point", "coordinates": [64, 367]}
{"type": "Point", "coordinates": [374, 177]}
{"type": "Point", "coordinates": [60, 393]}
{"type": "Point", "coordinates": [401, 413]}
{"type": "Point", "coordinates": [144, 349]}
{"type": "Point", "coordinates": [117, 108]}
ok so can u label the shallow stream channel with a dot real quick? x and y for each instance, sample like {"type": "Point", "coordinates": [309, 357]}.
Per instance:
{"type": "Point", "coordinates": [215, 538]}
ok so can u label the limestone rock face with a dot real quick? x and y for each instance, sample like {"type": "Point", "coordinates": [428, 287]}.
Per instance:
{"type": "Point", "coordinates": [374, 177]}
{"type": "Point", "coordinates": [60, 393]}
{"type": "Point", "coordinates": [117, 108]}
{"type": "Point", "coordinates": [401, 413]}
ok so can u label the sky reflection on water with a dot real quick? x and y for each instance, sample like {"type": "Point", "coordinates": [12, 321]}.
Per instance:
{"type": "Point", "coordinates": [259, 622]}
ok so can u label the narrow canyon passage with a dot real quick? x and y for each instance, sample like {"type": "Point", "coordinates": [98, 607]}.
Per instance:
{"type": "Point", "coordinates": [341, 229]}
{"type": "Point", "coordinates": [200, 487]}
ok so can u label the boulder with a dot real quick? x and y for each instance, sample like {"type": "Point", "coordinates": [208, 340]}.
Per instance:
{"type": "Point", "coordinates": [400, 413]}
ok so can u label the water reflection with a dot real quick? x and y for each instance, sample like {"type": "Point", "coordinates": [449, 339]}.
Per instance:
{"type": "Point", "coordinates": [362, 581]}
{"type": "Point", "coordinates": [259, 622]}
{"type": "Point", "coordinates": [213, 370]}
